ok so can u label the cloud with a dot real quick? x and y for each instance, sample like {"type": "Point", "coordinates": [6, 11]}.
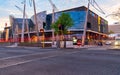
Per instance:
{"type": "Point", "coordinates": [72, 0]}
{"type": "Point", "coordinates": [110, 10]}
{"type": "Point", "coordinates": [8, 7]}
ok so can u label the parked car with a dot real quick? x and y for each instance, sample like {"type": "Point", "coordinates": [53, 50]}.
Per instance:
{"type": "Point", "coordinates": [108, 42]}
{"type": "Point", "coordinates": [100, 43]}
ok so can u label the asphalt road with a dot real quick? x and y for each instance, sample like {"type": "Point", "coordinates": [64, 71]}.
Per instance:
{"type": "Point", "coordinates": [35, 61]}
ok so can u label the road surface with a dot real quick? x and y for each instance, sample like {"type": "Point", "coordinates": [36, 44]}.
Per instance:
{"type": "Point", "coordinates": [37, 61]}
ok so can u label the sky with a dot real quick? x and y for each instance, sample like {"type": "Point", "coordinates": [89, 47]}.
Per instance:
{"type": "Point", "coordinates": [7, 7]}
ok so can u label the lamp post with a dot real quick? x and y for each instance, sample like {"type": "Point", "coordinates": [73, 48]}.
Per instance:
{"type": "Point", "coordinates": [85, 25]}
{"type": "Point", "coordinates": [115, 15]}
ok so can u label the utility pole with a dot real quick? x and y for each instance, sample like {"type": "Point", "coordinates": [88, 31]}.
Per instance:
{"type": "Point", "coordinates": [93, 3]}
{"type": "Point", "coordinates": [23, 24]}
{"type": "Point", "coordinates": [85, 25]}
{"type": "Point", "coordinates": [26, 22]}
{"type": "Point", "coordinates": [35, 19]}
{"type": "Point", "coordinates": [53, 19]}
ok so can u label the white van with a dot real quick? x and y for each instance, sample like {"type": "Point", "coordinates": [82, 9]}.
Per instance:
{"type": "Point", "coordinates": [117, 41]}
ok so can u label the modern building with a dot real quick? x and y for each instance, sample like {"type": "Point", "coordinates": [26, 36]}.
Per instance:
{"type": "Point", "coordinates": [97, 27]}
{"type": "Point", "coordinates": [13, 32]}
{"type": "Point", "coordinates": [114, 28]}
{"type": "Point", "coordinates": [114, 31]}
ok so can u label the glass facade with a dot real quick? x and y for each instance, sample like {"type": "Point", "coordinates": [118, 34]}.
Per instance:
{"type": "Point", "coordinates": [78, 19]}
{"type": "Point", "coordinates": [48, 21]}
{"type": "Point", "coordinates": [18, 21]}
{"type": "Point", "coordinates": [77, 16]}
{"type": "Point", "coordinates": [41, 19]}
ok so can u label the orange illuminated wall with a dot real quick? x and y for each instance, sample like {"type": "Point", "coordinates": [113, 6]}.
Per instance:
{"type": "Point", "coordinates": [7, 35]}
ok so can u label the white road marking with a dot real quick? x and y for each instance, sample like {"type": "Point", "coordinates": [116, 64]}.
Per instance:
{"type": "Point", "coordinates": [17, 63]}
{"type": "Point", "coordinates": [23, 55]}
{"type": "Point", "coordinates": [12, 63]}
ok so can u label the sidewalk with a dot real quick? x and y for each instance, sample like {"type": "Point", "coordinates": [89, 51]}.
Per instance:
{"type": "Point", "coordinates": [104, 47]}
{"type": "Point", "coordinates": [85, 46]}
{"type": "Point", "coordinates": [70, 47]}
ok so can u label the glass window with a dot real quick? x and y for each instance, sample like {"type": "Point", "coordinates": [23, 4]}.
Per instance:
{"type": "Point", "coordinates": [77, 16]}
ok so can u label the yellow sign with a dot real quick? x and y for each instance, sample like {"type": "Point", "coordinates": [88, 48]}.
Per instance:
{"type": "Point", "coordinates": [99, 20]}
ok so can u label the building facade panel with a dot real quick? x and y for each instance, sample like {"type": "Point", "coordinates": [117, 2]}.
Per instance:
{"type": "Point", "coordinates": [41, 18]}
{"type": "Point", "coordinates": [114, 28]}
{"type": "Point", "coordinates": [77, 16]}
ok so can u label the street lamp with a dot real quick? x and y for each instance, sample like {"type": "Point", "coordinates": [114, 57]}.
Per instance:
{"type": "Point", "coordinates": [117, 15]}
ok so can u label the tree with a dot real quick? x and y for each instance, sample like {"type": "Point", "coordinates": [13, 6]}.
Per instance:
{"type": "Point", "coordinates": [61, 26]}
{"type": "Point", "coordinates": [110, 32]}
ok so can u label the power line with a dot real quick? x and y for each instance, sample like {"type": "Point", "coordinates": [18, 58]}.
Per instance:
{"type": "Point", "coordinates": [96, 6]}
